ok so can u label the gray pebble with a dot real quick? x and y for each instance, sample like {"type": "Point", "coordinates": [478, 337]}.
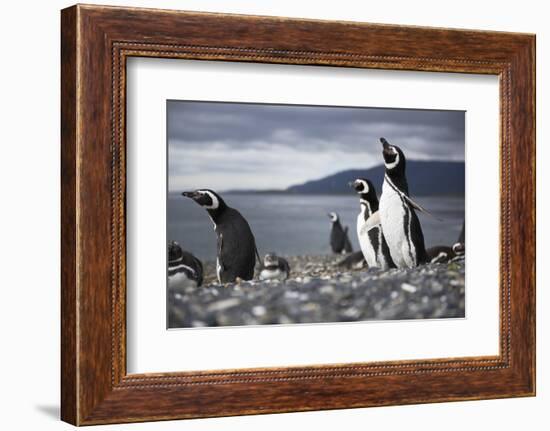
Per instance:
{"type": "Point", "coordinates": [317, 291]}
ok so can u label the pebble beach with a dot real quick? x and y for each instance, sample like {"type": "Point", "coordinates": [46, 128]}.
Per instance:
{"type": "Point", "coordinates": [319, 290]}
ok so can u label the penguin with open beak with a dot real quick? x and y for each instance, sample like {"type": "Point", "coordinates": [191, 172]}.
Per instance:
{"type": "Point", "coordinates": [398, 218]}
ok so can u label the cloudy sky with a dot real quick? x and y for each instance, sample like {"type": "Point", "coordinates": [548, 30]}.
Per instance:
{"type": "Point", "coordinates": [258, 146]}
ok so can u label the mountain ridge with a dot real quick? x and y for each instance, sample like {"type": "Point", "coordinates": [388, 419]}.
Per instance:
{"type": "Point", "coordinates": [425, 178]}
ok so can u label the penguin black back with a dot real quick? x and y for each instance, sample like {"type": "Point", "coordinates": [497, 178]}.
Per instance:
{"type": "Point", "coordinates": [348, 248]}
{"type": "Point", "coordinates": [354, 260]}
{"type": "Point", "coordinates": [461, 237]}
{"type": "Point", "coordinates": [236, 249]}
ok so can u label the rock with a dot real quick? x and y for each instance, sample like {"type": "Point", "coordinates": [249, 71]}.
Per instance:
{"type": "Point", "coordinates": [222, 305]}
{"type": "Point", "coordinates": [408, 287]}
{"type": "Point", "coordinates": [319, 291]}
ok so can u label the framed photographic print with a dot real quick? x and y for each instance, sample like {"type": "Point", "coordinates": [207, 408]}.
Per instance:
{"type": "Point", "coordinates": [266, 215]}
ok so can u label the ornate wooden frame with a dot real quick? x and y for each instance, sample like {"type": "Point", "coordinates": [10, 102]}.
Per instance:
{"type": "Point", "coordinates": [95, 43]}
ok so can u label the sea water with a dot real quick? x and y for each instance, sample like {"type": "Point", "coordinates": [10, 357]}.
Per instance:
{"type": "Point", "coordinates": [292, 225]}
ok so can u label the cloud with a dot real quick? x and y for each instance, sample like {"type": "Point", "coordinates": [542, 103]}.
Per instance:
{"type": "Point", "coordinates": [235, 145]}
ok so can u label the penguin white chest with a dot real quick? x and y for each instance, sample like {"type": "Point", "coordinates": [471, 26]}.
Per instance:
{"type": "Point", "coordinates": [395, 217]}
{"type": "Point", "coordinates": [272, 274]}
{"type": "Point", "coordinates": [364, 242]}
{"type": "Point", "coordinates": [219, 270]}
{"type": "Point", "coordinates": [179, 280]}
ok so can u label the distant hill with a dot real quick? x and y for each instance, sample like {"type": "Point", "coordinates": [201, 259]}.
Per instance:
{"type": "Point", "coordinates": [425, 178]}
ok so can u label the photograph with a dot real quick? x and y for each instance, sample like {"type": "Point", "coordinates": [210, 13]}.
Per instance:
{"type": "Point", "coordinates": [289, 214]}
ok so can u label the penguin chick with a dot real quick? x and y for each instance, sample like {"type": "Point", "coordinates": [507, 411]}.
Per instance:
{"type": "Point", "coordinates": [371, 238]}
{"type": "Point", "coordinates": [339, 240]}
{"type": "Point", "coordinates": [399, 221]}
{"type": "Point", "coordinates": [274, 268]}
{"type": "Point", "coordinates": [236, 250]}
{"type": "Point", "coordinates": [183, 267]}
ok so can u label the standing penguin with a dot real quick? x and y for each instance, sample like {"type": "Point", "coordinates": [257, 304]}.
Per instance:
{"type": "Point", "coordinates": [182, 267]}
{"type": "Point", "coordinates": [399, 221]}
{"type": "Point", "coordinates": [372, 241]}
{"type": "Point", "coordinates": [236, 255]}
{"type": "Point", "coordinates": [339, 241]}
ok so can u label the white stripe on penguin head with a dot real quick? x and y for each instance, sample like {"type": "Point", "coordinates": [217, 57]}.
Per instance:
{"type": "Point", "coordinates": [365, 186]}
{"type": "Point", "coordinates": [215, 202]}
{"type": "Point", "coordinates": [333, 217]}
{"type": "Point", "coordinates": [395, 162]}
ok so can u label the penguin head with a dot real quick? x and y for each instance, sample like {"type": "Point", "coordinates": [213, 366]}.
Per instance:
{"type": "Point", "coordinates": [206, 198]}
{"type": "Point", "coordinates": [333, 217]}
{"type": "Point", "coordinates": [394, 159]}
{"type": "Point", "coordinates": [271, 259]}
{"type": "Point", "coordinates": [175, 251]}
{"type": "Point", "coordinates": [458, 249]}
{"type": "Point", "coordinates": [364, 188]}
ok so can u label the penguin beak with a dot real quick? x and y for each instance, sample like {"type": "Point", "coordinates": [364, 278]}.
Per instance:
{"type": "Point", "coordinates": [385, 143]}
{"type": "Point", "coordinates": [191, 195]}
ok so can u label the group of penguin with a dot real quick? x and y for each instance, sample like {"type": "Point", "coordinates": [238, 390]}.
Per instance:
{"type": "Point", "coordinates": [236, 248]}
{"type": "Point", "coordinates": [388, 230]}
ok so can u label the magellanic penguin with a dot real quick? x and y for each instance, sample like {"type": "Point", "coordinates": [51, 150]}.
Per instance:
{"type": "Point", "coordinates": [339, 240]}
{"type": "Point", "coordinates": [459, 249]}
{"type": "Point", "coordinates": [372, 241]}
{"type": "Point", "coordinates": [182, 267]}
{"type": "Point", "coordinates": [399, 221]}
{"type": "Point", "coordinates": [236, 253]}
{"type": "Point", "coordinates": [440, 254]}
{"type": "Point", "coordinates": [443, 253]}
{"type": "Point", "coordinates": [274, 268]}
{"type": "Point", "coordinates": [354, 260]}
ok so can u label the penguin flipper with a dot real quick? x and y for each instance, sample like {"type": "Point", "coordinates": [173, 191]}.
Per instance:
{"type": "Point", "coordinates": [221, 267]}
{"type": "Point", "coordinates": [372, 222]}
{"type": "Point", "coordinates": [420, 208]}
